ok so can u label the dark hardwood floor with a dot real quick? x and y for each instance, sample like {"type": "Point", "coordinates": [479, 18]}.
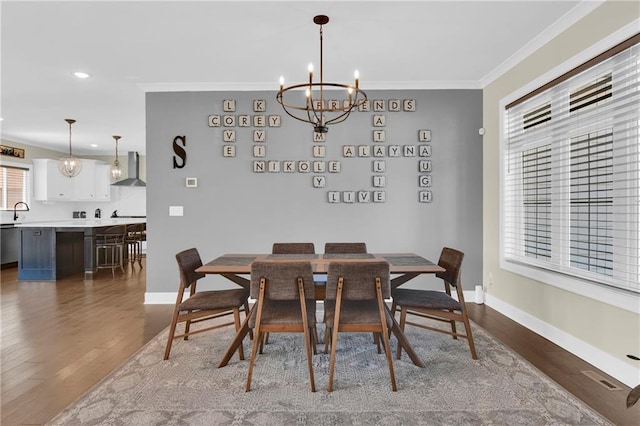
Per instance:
{"type": "Point", "coordinates": [60, 338]}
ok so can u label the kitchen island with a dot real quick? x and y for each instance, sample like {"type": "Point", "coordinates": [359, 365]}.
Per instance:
{"type": "Point", "coordinates": [52, 250]}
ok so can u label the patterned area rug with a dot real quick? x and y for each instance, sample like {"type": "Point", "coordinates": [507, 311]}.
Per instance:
{"type": "Point", "coordinates": [500, 388]}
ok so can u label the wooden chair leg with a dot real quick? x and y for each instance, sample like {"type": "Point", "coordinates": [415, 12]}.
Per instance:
{"type": "Point", "coordinates": [385, 334]}
{"type": "Point", "coordinates": [254, 351]}
{"type": "Point", "coordinates": [376, 340]}
{"type": "Point", "coordinates": [307, 333]}
{"type": "Point", "coordinates": [327, 338]}
{"type": "Point", "coordinates": [472, 346]}
{"type": "Point", "coordinates": [187, 327]}
{"type": "Point", "coordinates": [307, 341]}
{"type": "Point", "coordinates": [387, 350]}
{"type": "Point", "coordinates": [334, 339]}
{"type": "Point", "coordinates": [236, 321]}
{"type": "Point", "coordinates": [172, 332]}
{"type": "Point", "coordinates": [454, 332]}
{"type": "Point", "coordinates": [332, 362]}
{"type": "Point", "coordinates": [314, 339]}
{"type": "Point", "coordinates": [403, 320]}
{"type": "Point", "coordinates": [246, 314]}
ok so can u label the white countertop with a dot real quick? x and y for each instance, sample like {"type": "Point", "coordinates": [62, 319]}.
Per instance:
{"type": "Point", "coordinates": [81, 223]}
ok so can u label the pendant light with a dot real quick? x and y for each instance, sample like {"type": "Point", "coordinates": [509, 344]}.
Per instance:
{"type": "Point", "coordinates": [316, 108]}
{"type": "Point", "coordinates": [116, 171]}
{"type": "Point", "coordinates": [70, 165]}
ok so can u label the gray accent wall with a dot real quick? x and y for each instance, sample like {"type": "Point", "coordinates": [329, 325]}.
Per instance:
{"type": "Point", "coordinates": [236, 210]}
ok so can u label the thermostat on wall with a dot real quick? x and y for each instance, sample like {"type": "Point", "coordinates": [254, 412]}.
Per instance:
{"type": "Point", "coordinates": [192, 182]}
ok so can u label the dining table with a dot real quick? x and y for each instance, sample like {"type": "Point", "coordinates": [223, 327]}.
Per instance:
{"type": "Point", "coordinates": [403, 267]}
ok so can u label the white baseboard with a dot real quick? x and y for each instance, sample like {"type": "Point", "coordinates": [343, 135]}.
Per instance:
{"type": "Point", "coordinates": [614, 367]}
{"type": "Point", "coordinates": [167, 298]}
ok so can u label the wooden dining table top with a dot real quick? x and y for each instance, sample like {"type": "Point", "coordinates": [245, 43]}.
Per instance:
{"type": "Point", "coordinates": [399, 263]}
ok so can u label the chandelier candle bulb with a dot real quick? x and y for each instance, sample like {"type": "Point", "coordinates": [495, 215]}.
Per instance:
{"type": "Point", "coordinates": [356, 75]}
{"type": "Point", "coordinates": [281, 82]}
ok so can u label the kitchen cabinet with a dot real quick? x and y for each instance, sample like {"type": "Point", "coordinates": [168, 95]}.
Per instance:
{"type": "Point", "coordinates": [52, 250]}
{"type": "Point", "coordinates": [48, 183]}
{"type": "Point", "coordinates": [85, 182]}
{"type": "Point", "coordinates": [9, 242]}
{"type": "Point", "coordinates": [103, 182]}
{"type": "Point", "coordinates": [91, 184]}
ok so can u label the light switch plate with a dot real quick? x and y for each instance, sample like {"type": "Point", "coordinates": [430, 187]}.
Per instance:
{"type": "Point", "coordinates": [176, 211]}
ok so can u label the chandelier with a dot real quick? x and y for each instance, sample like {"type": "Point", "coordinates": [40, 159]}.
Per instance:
{"type": "Point", "coordinates": [115, 171]}
{"type": "Point", "coordinates": [316, 109]}
{"type": "Point", "coordinates": [70, 165]}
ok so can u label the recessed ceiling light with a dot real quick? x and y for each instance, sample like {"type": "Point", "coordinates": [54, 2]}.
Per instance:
{"type": "Point", "coordinates": [81, 74]}
{"type": "Point", "coordinates": [94, 145]}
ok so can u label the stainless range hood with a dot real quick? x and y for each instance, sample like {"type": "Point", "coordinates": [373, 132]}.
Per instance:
{"type": "Point", "coordinates": [134, 172]}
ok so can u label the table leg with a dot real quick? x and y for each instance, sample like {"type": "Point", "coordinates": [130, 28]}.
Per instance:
{"type": "Point", "coordinates": [241, 281]}
{"type": "Point", "coordinates": [239, 337]}
{"type": "Point", "coordinates": [402, 340]}
{"type": "Point", "coordinates": [398, 281]}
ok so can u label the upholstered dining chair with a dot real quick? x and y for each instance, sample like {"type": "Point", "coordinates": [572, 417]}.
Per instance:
{"type": "Point", "coordinates": [437, 305]}
{"type": "Point", "coordinates": [286, 303]}
{"type": "Point", "coordinates": [355, 303]}
{"type": "Point", "coordinates": [345, 248]}
{"type": "Point", "coordinates": [293, 248]}
{"type": "Point", "coordinates": [203, 305]}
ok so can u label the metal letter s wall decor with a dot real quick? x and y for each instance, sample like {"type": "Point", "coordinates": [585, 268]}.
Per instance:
{"type": "Point", "coordinates": [180, 152]}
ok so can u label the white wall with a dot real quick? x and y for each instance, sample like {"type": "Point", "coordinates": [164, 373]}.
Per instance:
{"type": "Point", "coordinates": [597, 332]}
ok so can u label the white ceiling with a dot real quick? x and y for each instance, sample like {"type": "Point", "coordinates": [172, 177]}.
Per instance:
{"type": "Point", "coordinates": [133, 47]}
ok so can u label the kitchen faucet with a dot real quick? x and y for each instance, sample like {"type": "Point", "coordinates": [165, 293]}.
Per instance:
{"type": "Point", "coordinates": [15, 213]}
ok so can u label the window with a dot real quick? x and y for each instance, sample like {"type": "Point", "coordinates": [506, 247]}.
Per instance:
{"type": "Point", "coordinates": [571, 179]}
{"type": "Point", "coordinates": [14, 186]}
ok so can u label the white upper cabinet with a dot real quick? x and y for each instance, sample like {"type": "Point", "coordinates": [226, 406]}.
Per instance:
{"type": "Point", "coordinates": [49, 184]}
{"type": "Point", "coordinates": [103, 182]}
{"type": "Point", "coordinates": [86, 181]}
{"type": "Point", "coordinates": [91, 184]}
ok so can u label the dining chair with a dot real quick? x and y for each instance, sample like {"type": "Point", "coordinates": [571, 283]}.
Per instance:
{"type": "Point", "coordinates": [203, 305]}
{"type": "Point", "coordinates": [437, 305]}
{"type": "Point", "coordinates": [297, 248]}
{"type": "Point", "coordinates": [355, 303]}
{"type": "Point", "coordinates": [293, 248]}
{"type": "Point", "coordinates": [286, 303]}
{"type": "Point", "coordinates": [110, 246]}
{"type": "Point", "coordinates": [345, 248]}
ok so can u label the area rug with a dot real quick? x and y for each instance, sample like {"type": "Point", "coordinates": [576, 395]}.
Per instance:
{"type": "Point", "coordinates": [500, 388]}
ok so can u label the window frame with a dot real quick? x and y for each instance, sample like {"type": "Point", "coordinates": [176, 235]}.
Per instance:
{"type": "Point", "coordinates": [614, 296]}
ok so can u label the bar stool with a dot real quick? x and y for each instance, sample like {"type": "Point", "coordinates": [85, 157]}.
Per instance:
{"type": "Point", "coordinates": [110, 245]}
{"type": "Point", "coordinates": [134, 238]}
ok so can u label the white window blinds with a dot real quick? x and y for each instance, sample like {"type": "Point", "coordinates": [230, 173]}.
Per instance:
{"type": "Point", "coordinates": [14, 187]}
{"type": "Point", "coordinates": [571, 182]}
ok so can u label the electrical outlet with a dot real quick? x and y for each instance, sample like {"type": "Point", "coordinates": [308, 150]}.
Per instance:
{"type": "Point", "coordinates": [490, 278]}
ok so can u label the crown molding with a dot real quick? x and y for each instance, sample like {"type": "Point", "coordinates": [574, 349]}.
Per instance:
{"type": "Point", "coordinates": [574, 15]}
